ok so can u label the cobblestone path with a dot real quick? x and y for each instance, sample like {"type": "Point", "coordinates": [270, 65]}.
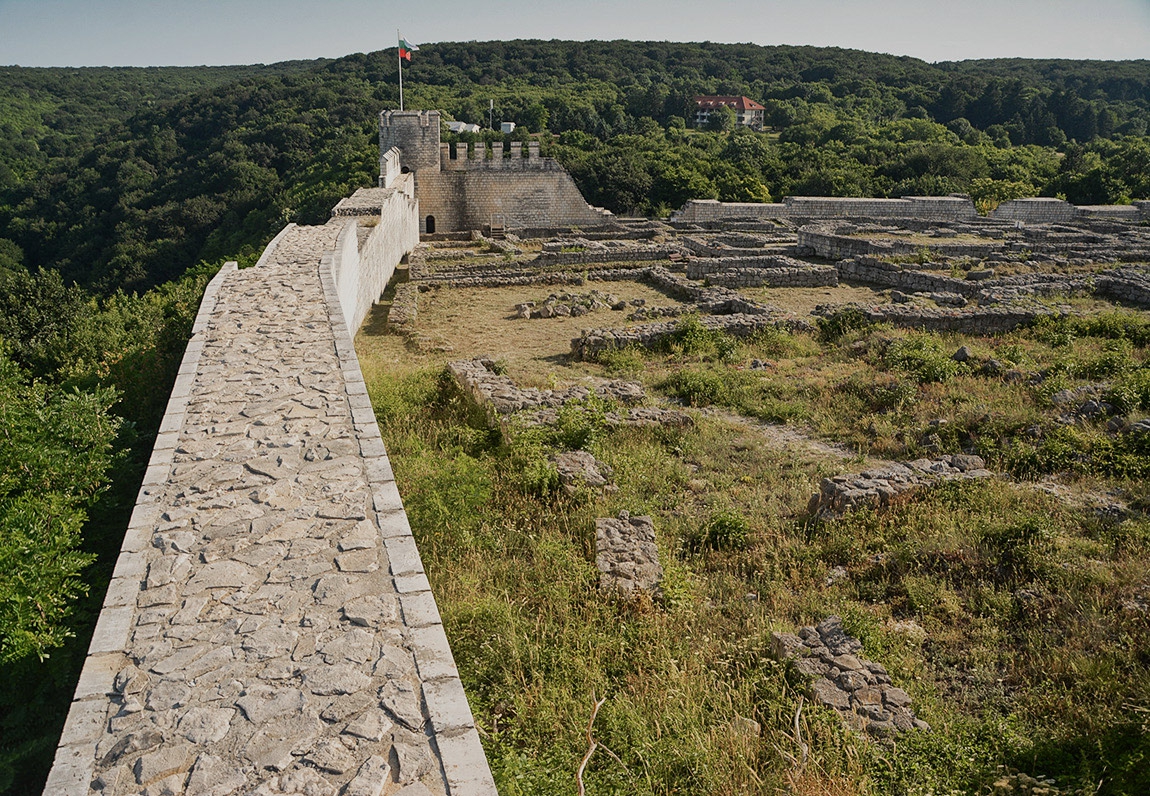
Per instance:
{"type": "Point", "coordinates": [270, 629]}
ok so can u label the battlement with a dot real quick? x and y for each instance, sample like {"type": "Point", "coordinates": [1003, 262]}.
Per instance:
{"type": "Point", "coordinates": [477, 157]}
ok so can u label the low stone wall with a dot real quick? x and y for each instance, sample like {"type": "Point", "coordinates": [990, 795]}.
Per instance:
{"type": "Point", "coordinates": [404, 308]}
{"type": "Point", "coordinates": [477, 378]}
{"type": "Point", "coordinates": [838, 677]}
{"type": "Point", "coordinates": [697, 269]}
{"type": "Point", "coordinates": [879, 272]}
{"type": "Point", "coordinates": [824, 242]}
{"type": "Point", "coordinates": [880, 486]}
{"type": "Point", "coordinates": [809, 276]}
{"type": "Point", "coordinates": [978, 320]}
{"type": "Point", "coordinates": [502, 401]}
{"type": "Point", "coordinates": [608, 255]}
{"type": "Point", "coordinates": [1130, 284]}
{"type": "Point", "coordinates": [592, 342]}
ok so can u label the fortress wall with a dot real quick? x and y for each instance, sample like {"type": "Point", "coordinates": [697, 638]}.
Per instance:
{"type": "Point", "coordinates": [268, 579]}
{"type": "Point", "coordinates": [361, 275]}
{"type": "Point", "coordinates": [932, 208]}
{"type": "Point", "coordinates": [1038, 210]}
{"type": "Point", "coordinates": [543, 196]}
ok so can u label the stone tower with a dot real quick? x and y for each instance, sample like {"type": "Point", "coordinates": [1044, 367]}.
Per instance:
{"type": "Point", "coordinates": [415, 134]}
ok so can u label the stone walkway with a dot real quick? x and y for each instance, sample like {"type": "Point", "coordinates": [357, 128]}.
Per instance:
{"type": "Point", "coordinates": [269, 629]}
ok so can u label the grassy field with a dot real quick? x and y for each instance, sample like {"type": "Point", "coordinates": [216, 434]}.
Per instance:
{"type": "Point", "coordinates": [1012, 611]}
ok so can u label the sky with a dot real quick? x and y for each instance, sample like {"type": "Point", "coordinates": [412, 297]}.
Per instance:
{"type": "Point", "coordinates": [193, 32]}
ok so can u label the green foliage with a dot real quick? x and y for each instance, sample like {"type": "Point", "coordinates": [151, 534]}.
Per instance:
{"type": "Point", "coordinates": [692, 338]}
{"type": "Point", "coordinates": [1130, 392]}
{"type": "Point", "coordinates": [726, 530]}
{"type": "Point", "coordinates": [698, 387]}
{"type": "Point", "coordinates": [922, 357]}
{"type": "Point", "coordinates": [846, 321]}
{"type": "Point", "coordinates": [622, 361]}
{"type": "Point", "coordinates": [54, 452]}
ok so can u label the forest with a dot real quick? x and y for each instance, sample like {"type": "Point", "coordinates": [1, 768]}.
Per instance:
{"type": "Point", "coordinates": [123, 190]}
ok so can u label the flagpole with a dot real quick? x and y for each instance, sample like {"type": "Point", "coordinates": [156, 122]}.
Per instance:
{"type": "Point", "coordinates": [399, 59]}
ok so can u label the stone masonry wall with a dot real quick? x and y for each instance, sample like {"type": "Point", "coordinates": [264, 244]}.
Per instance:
{"type": "Point", "coordinates": [461, 200]}
{"type": "Point", "coordinates": [934, 208]}
{"type": "Point", "coordinates": [939, 208]}
{"type": "Point", "coordinates": [269, 629]}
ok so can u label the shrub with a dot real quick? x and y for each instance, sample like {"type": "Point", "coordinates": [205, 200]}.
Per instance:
{"type": "Point", "coordinates": [833, 328]}
{"type": "Point", "coordinates": [698, 387]}
{"type": "Point", "coordinates": [921, 357]}
{"type": "Point", "coordinates": [726, 530]}
{"type": "Point", "coordinates": [1130, 392]}
{"type": "Point", "coordinates": [626, 361]}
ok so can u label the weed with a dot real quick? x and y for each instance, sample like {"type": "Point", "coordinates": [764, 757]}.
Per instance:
{"type": "Point", "coordinates": [622, 361]}
{"type": "Point", "coordinates": [850, 319]}
{"type": "Point", "coordinates": [922, 357]}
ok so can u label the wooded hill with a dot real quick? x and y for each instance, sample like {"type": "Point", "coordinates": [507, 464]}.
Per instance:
{"type": "Point", "coordinates": [122, 190]}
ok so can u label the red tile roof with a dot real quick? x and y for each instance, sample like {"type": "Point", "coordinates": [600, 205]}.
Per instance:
{"type": "Point", "coordinates": [738, 103]}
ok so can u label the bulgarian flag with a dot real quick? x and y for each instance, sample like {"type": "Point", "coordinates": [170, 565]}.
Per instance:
{"type": "Point", "coordinates": [406, 48]}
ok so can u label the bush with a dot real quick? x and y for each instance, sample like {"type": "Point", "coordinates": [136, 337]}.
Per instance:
{"type": "Point", "coordinates": [923, 358]}
{"type": "Point", "coordinates": [698, 387]}
{"type": "Point", "coordinates": [727, 530]}
{"type": "Point", "coordinates": [692, 339]}
{"type": "Point", "coordinates": [835, 327]}
{"type": "Point", "coordinates": [1130, 392]}
{"type": "Point", "coordinates": [622, 361]}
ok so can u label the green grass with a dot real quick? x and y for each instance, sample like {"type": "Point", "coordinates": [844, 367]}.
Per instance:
{"type": "Point", "coordinates": [999, 608]}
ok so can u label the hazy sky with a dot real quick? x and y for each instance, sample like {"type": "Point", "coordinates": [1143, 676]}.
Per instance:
{"type": "Point", "coordinates": [189, 32]}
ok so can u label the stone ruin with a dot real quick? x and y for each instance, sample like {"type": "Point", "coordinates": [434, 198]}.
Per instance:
{"type": "Point", "coordinates": [860, 691]}
{"type": "Point", "coordinates": [501, 399]}
{"type": "Point", "coordinates": [580, 470]}
{"type": "Point", "coordinates": [626, 554]}
{"type": "Point", "coordinates": [880, 486]}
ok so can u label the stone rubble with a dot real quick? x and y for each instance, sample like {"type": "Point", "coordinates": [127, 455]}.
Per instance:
{"type": "Point", "coordinates": [879, 486]}
{"type": "Point", "coordinates": [838, 677]}
{"type": "Point", "coordinates": [626, 554]}
{"type": "Point", "coordinates": [581, 470]}
{"type": "Point", "coordinates": [502, 400]}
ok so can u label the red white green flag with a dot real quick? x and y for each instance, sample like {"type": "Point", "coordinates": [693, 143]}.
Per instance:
{"type": "Point", "coordinates": [406, 48]}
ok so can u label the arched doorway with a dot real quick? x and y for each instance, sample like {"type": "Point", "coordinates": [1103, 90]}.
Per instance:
{"type": "Point", "coordinates": [429, 225]}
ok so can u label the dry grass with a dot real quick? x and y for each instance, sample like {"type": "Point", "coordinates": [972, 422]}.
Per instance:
{"type": "Point", "coordinates": [802, 300]}
{"type": "Point", "coordinates": [480, 322]}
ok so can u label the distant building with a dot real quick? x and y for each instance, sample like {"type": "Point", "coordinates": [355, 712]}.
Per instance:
{"type": "Point", "coordinates": [747, 112]}
{"type": "Point", "coordinates": [462, 127]}
{"type": "Point", "coordinates": [507, 127]}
